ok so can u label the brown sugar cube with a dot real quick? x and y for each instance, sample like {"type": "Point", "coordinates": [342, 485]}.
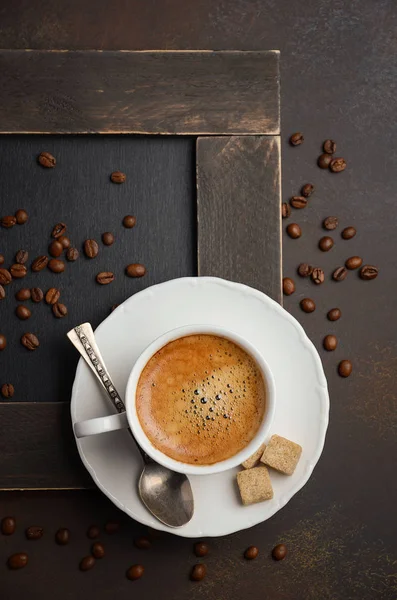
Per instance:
{"type": "Point", "coordinates": [253, 460]}
{"type": "Point", "coordinates": [282, 454]}
{"type": "Point", "coordinates": [254, 485]}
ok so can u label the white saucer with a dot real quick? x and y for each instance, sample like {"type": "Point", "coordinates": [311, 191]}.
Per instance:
{"type": "Point", "coordinates": [302, 402]}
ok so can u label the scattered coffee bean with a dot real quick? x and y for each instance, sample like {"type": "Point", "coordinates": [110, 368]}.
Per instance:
{"type": "Point", "coordinates": [143, 543]}
{"type": "Point", "coordinates": [298, 201]}
{"type": "Point", "coordinates": [288, 286]}
{"type": "Point", "coordinates": [59, 310]}
{"type": "Point", "coordinates": [23, 294]}
{"type": "Point", "coordinates": [251, 553]}
{"type": "Point", "coordinates": [46, 160]}
{"type": "Point", "coordinates": [334, 314]}
{"type": "Point", "coordinates": [326, 243]}
{"type": "Point", "coordinates": [58, 230]}
{"type": "Point", "coordinates": [330, 223]}
{"type": "Point", "coordinates": [91, 248]}
{"type": "Point", "coordinates": [198, 572]}
{"type": "Point", "coordinates": [354, 262]}
{"type": "Point", "coordinates": [5, 277]}
{"type": "Point", "coordinates": [330, 343]}
{"type": "Point", "coordinates": [339, 274]}
{"type": "Point", "coordinates": [39, 263]}
{"type": "Point", "coordinates": [62, 536]}
{"type": "Point", "coordinates": [279, 552]}
{"type": "Point", "coordinates": [135, 572]}
{"type": "Point", "coordinates": [294, 231]}
{"type": "Point", "coordinates": [17, 561]}
{"type": "Point", "coordinates": [56, 266]}
{"type": "Point", "coordinates": [93, 532]}
{"type": "Point", "coordinates": [129, 221]}
{"type": "Point", "coordinates": [65, 241]}
{"type": "Point", "coordinates": [201, 549]}
{"type": "Point", "coordinates": [7, 390]}
{"type": "Point", "coordinates": [30, 341]}
{"type": "Point", "coordinates": [345, 368]}
{"type": "Point", "coordinates": [296, 139]}
{"type": "Point", "coordinates": [3, 341]}
{"type": "Point", "coordinates": [105, 278]}
{"type": "Point", "coordinates": [87, 563]}
{"type": "Point", "coordinates": [285, 210]}
{"type": "Point", "coordinates": [22, 312]}
{"type": "Point", "coordinates": [36, 294]}
{"type": "Point", "coordinates": [112, 527]}
{"type": "Point", "coordinates": [97, 550]}
{"type": "Point", "coordinates": [34, 533]}
{"type": "Point", "coordinates": [329, 146]}
{"type": "Point", "coordinates": [324, 160]}
{"type": "Point", "coordinates": [2, 259]}
{"type": "Point", "coordinates": [118, 177]}
{"type": "Point", "coordinates": [318, 276]}
{"type": "Point", "coordinates": [135, 270]}
{"type": "Point", "coordinates": [21, 216]}
{"type": "Point", "coordinates": [8, 525]}
{"type": "Point", "coordinates": [55, 248]}
{"type": "Point", "coordinates": [368, 272]}
{"type": "Point", "coordinates": [52, 296]}
{"type": "Point", "coordinates": [305, 270]}
{"type": "Point", "coordinates": [2, 293]}
{"type": "Point", "coordinates": [21, 257]}
{"type": "Point", "coordinates": [348, 233]}
{"type": "Point", "coordinates": [8, 221]}
{"type": "Point", "coordinates": [18, 271]}
{"type": "Point", "coordinates": [337, 165]}
{"type": "Point", "coordinates": [72, 254]}
{"type": "Point", "coordinates": [107, 238]}
{"type": "Point", "coordinates": [307, 190]}
{"type": "Point", "coordinates": [307, 305]}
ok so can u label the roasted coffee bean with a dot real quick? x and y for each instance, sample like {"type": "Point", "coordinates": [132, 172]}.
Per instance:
{"type": "Point", "coordinates": [330, 223]}
{"type": "Point", "coordinates": [30, 341]}
{"type": "Point", "coordinates": [201, 549]}
{"type": "Point", "coordinates": [307, 305]}
{"type": "Point", "coordinates": [279, 552]}
{"type": "Point", "coordinates": [329, 146]}
{"type": "Point", "coordinates": [251, 553]}
{"type": "Point", "coordinates": [307, 190]}
{"type": "Point", "coordinates": [62, 536]}
{"type": "Point", "coordinates": [298, 201]}
{"type": "Point", "coordinates": [354, 262]}
{"type": "Point", "coordinates": [285, 210]}
{"type": "Point", "coordinates": [2, 293]}
{"type": "Point", "coordinates": [326, 243]}
{"type": "Point", "coordinates": [288, 286]}
{"type": "Point", "coordinates": [46, 160]}
{"type": "Point", "coordinates": [5, 277]}
{"type": "Point", "coordinates": [330, 343]}
{"type": "Point", "coordinates": [118, 177]}
{"type": "Point", "coordinates": [294, 231]}
{"type": "Point", "coordinates": [91, 248]}
{"type": "Point", "coordinates": [143, 543]}
{"type": "Point", "coordinates": [2, 259]}
{"type": "Point", "coordinates": [58, 230]}
{"type": "Point", "coordinates": [17, 561]}
{"type": "Point", "coordinates": [296, 139]}
{"type": "Point", "coordinates": [324, 160]}
{"type": "Point", "coordinates": [22, 312]}
{"type": "Point", "coordinates": [55, 248]}
{"type": "Point", "coordinates": [368, 272]}
{"type": "Point", "coordinates": [135, 572]}
{"type": "Point", "coordinates": [59, 310]}
{"type": "Point", "coordinates": [107, 238]}
{"type": "Point", "coordinates": [21, 216]}
{"type": "Point", "coordinates": [34, 533]}
{"type": "Point", "coordinates": [105, 277]}
{"type": "Point", "coordinates": [129, 221]}
{"type": "Point", "coordinates": [18, 271]}
{"type": "Point", "coordinates": [21, 257]}
{"type": "Point", "coordinates": [39, 263]}
{"type": "Point", "coordinates": [56, 266]}
{"type": "Point", "coordinates": [334, 314]}
{"type": "Point", "coordinates": [7, 390]}
{"type": "Point", "coordinates": [97, 550]}
{"type": "Point", "coordinates": [72, 254]}
{"type": "Point", "coordinates": [339, 274]}
{"type": "Point", "coordinates": [348, 233]}
{"type": "Point", "coordinates": [93, 532]}
{"type": "Point", "coordinates": [65, 241]}
{"type": "Point", "coordinates": [135, 270]}
{"type": "Point", "coordinates": [305, 270]}
{"type": "Point", "coordinates": [345, 368]}
{"type": "Point", "coordinates": [8, 525]}
{"type": "Point", "coordinates": [3, 341]}
{"type": "Point", "coordinates": [198, 572]}
{"type": "Point", "coordinates": [36, 294]}
{"type": "Point", "coordinates": [112, 527]}
{"type": "Point", "coordinates": [318, 276]}
{"type": "Point", "coordinates": [337, 165]}
{"type": "Point", "coordinates": [8, 221]}
{"type": "Point", "coordinates": [52, 296]}
{"type": "Point", "coordinates": [23, 294]}
{"type": "Point", "coordinates": [87, 563]}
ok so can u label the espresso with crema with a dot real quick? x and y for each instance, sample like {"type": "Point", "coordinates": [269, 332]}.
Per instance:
{"type": "Point", "coordinates": [201, 399]}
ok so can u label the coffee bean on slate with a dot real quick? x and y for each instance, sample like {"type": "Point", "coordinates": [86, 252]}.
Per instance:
{"type": "Point", "coordinates": [198, 572]}
{"type": "Point", "coordinates": [337, 165]}
{"type": "Point", "coordinates": [72, 254]}
{"type": "Point", "coordinates": [326, 243]}
{"type": "Point", "coordinates": [305, 270]}
{"type": "Point", "coordinates": [91, 248]}
{"type": "Point", "coordinates": [93, 532]}
{"type": "Point", "coordinates": [324, 160]}
{"type": "Point", "coordinates": [58, 230]}
{"type": "Point", "coordinates": [22, 312]}
{"type": "Point", "coordinates": [294, 231]}
{"type": "Point", "coordinates": [8, 221]}
{"type": "Point", "coordinates": [18, 271]}
{"type": "Point", "coordinates": [39, 263]}
{"type": "Point", "coordinates": [52, 296]}
{"type": "Point", "coordinates": [55, 248]}
{"type": "Point", "coordinates": [330, 342]}
{"type": "Point", "coordinates": [296, 139]}
{"type": "Point", "coordinates": [330, 223]}
{"type": "Point", "coordinates": [46, 160]}
{"type": "Point", "coordinates": [107, 238]}
{"type": "Point", "coordinates": [62, 536]}
{"type": "Point", "coordinates": [112, 527]}
{"type": "Point", "coordinates": [135, 572]}
{"type": "Point", "coordinates": [135, 270]}
{"type": "Point", "coordinates": [3, 341]}
{"type": "Point", "coordinates": [17, 561]}
{"type": "Point", "coordinates": [348, 233]}
{"type": "Point", "coordinates": [339, 274]}
{"type": "Point", "coordinates": [279, 552]}
{"type": "Point", "coordinates": [318, 276]}
{"type": "Point", "coordinates": [345, 368]}
{"type": "Point", "coordinates": [368, 272]}
{"type": "Point", "coordinates": [97, 550]}
{"type": "Point", "coordinates": [307, 305]}
{"type": "Point", "coordinates": [307, 190]}
{"type": "Point", "coordinates": [21, 216]}
{"type": "Point", "coordinates": [118, 177]}
{"type": "Point", "coordinates": [23, 294]}
{"type": "Point", "coordinates": [285, 210]}
{"type": "Point", "coordinates": [7, 390]}
{"type": "Point", "coordinates": [129, 221]}
{"type": "Point", "coordinates": [2, 259]}
{"type": "Point", "coordinates": [30, 341]}
{"type": "Point", "coordinates": [2, 293]}
{"type": "Point", "coordinates": [143, 543]}
{"type": "Point", "coordinates": [5, 277]}
{"type": "Point", "coordinates": [87, 563]}
{"type": "Point", "coordinates": [298, 201]}
{"type": "Point", "coordinates": [56, 266]}
{"type": "Point", "coordinates": [65, 241]}
{"type": "Point", "coordinates": [105, 278]}
{"type": "Point", "coordinates": [334, 314]}
{"type": "Point", "coordinates": [354, 262]}
{"type": "Point", "coordinates": [251, 553]}
{"type": "Point", "coordinates": [34, 532]}
{"type": "Point", "coordinates": [59, 310]}
{"type": "Point", "coordinates": [329, 146]}
{"type": "Point", "coordinates": [201, 549]}
{"type": "Point", "coordinates": [36, 294]}
{"type": "Point", "coordinates": [21, 257]}
{"type": "Point", "coordinates": [8, 525]}
{"type": "Point", "coordinates": [288, 286]}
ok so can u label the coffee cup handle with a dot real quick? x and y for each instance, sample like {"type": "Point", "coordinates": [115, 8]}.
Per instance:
{"type": "Point", "coordinates": [101, 425]}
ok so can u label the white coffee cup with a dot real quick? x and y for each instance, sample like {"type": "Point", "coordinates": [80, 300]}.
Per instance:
{"type": "Point", "coordinates": [130, 417]}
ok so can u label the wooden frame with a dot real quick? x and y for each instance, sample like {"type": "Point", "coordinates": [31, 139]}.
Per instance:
{"type": "Point", "coordinates": [231, 102]}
